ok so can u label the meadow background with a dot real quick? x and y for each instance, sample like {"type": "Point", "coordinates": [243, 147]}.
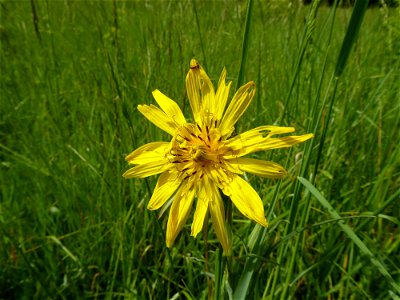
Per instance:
{"type": "Point", "coordinates": [72, 75]}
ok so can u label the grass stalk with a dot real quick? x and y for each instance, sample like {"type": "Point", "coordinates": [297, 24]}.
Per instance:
{"type": "Point", "coordinates": [219, 274]}
{"type": "Point", "coordinates": [351, 234]}
{"type": "Point", "coordinates": [245, 45]}
{"type": "Point", "coordinates": [70, 85]}
{"type": "Point", "coordinates": [204, 61]}
{"type": "Point", "coordinates": [350, 38]}
{"type": "Point", "coordinates": [307, 35]}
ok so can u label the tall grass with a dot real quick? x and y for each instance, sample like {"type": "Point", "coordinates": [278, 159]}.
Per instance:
{"type": "Point", "coordinates": [72, 76]}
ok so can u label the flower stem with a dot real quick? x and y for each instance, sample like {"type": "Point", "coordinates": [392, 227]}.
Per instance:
{"type": "Point", "coordinates": [219, 272]}
{"type": "Point", "coordinates": [206, 261]}
{"type": "Point", "coordinates": [245, 43]}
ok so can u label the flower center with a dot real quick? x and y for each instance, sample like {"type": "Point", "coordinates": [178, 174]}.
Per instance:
{"type": "Point", "coordinates": [197, 148]}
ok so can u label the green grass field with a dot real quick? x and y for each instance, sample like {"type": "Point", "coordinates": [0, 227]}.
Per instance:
{"type": "Point", "coordinates": [72, 75]}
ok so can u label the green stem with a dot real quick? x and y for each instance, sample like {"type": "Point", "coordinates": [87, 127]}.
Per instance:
{"type": "Point", "coordinates": [245, 43]}
{"type": "Point", "coordinates": [228, 202]}
{"type": "Point", "coordinates": [298, 188]}
{"type": "Point", "coordinates": [349, 39]}
{"type": "Point", "coordinates": [199, 32]}
{"type": "Point", "coordinates": [206, 260]}
{"type": "Point", "coordinates": [219, 272]}
{"type": "Point", "coordinates": [308, 32]}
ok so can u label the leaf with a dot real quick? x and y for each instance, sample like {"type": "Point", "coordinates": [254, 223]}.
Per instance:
{"type": "Point", "coordinates": [350, 233]}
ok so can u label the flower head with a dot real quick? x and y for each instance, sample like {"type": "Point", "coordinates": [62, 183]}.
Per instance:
{"type": "Point", "coordinates": [203, 159]}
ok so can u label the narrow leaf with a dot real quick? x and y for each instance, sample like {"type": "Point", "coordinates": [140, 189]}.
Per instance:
{"type": "Point", "coordinates": [350, 233]}
{"type": "Point", "coordinates": [356, 19]}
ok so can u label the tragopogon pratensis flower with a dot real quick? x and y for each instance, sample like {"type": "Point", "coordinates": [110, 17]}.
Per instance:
{"type": "Point", "coordinates": [202, 159]}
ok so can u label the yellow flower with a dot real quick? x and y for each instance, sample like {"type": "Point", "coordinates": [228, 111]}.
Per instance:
{"type": "Point", "coordinates": [203, 159]}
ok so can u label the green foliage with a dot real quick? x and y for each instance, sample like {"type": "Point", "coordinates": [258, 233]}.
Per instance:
{"type": "Point", "coordinates": [72, 74]}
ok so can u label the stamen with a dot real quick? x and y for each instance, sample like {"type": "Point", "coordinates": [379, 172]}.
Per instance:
{"type": "Point", "coordinates": [180, 140]}
{"type": "Point", "coordinates": [196, 148]}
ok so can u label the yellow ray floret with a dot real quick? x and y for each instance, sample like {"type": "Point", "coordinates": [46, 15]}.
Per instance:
{"type": "Point", "coordinates": [202, 161]}
{"type": "Point", "coordinates": [167, 184]}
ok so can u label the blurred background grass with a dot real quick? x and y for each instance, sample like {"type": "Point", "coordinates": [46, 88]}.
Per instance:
{"type": "Point", "coordinates": [72, 74]}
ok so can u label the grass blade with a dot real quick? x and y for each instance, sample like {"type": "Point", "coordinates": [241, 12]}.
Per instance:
{"type": "Point", "coordinates": [350, 233]}
{"type": "Point", "coordinates": [245, 43]}
{"type": "Point", "coordinates": [357, 17]}
{"type": "Point", "coordinates": [219, 273]}
{"type": "Point", "coordinates": [199, 33]}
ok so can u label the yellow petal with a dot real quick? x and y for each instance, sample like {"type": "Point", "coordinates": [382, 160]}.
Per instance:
{"type": "Point", "coordinates": [193, 90]}
{"type": "Point", "coordinates": [246, 199]}
{"type": "Point", "coordinates": [237, 107]}
{"type": "Point", "coordinates": [199, 216]}
{"type": "Point", "coordinates": [207, 92]}
{"type": "Point", "coordinates": [217, 213]}
{"type": "Point", "coordinates": [148, 153]}
{"type": "Point", "coordinates": [255, 136]}
{"type": "Point", "coordinates": [221, 96]}
{"type": "Point", "coordinates": [142, 171]}
{"type": "Point", "coordinates": [259, 167]}
{"type": "Point", "coordinates": [200, 92]}
{"type": "Point", "coordinates": [219, 177]}
{"type": "Point", "coordinates": [258, 139]}
{"type": "Point", "coordinates": [203, 198]}
{"type": "Point", "coordinates": [284, 142]}
{"type": "Point", "coordinates": [179, 212]}
{"type": "Point", "coordinates": [166, 186]}
{"type": "Point", "coordinates": [170, 107]}
{"type": "Point", "coordinates": [159, 118]}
